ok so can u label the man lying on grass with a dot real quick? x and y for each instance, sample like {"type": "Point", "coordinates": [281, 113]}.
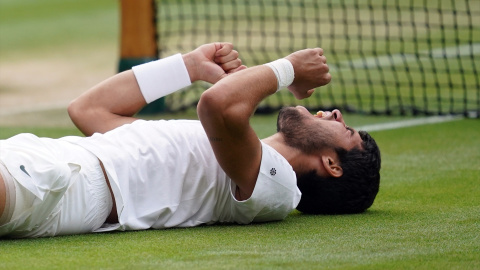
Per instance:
{"type": "Point", "coordinates": [133, 174]}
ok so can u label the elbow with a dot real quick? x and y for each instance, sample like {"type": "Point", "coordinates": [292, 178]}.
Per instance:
{"type": "Point", "coordinates": [81, 115]}
{"type": "Point", "coordinates": [214, 106]}
{"type": "Point", "coordinates": [74, 111]}
{"type": "Point", "coordinates": [209, 105]}
{"type": "Point", "coordinates": [218, 108]}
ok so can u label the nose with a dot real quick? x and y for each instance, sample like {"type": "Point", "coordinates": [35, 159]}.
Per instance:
{"type": "Point", "coordinates": [337, 116]}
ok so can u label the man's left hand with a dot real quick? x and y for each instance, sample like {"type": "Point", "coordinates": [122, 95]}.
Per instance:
{"type": "Point", "coordinates": [212, 62]}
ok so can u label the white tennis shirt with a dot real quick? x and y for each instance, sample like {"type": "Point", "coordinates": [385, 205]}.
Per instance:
{"type": "Point", "coordinates": [164, 174]}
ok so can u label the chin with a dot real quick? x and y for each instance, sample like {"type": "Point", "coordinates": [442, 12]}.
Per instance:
{"type": "Point", "coordinates": [289, 117]}
{"type": "Point", "coordinates": [303, 110]}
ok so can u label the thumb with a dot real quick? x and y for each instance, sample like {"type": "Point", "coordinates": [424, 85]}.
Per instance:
{"type": "Point", "coordinates": [310, 92]}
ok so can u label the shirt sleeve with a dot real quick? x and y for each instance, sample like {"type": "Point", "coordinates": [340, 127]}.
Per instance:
{"type": "Point", "coordinates": [275, 194]}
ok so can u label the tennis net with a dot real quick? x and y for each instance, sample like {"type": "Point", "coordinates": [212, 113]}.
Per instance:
{"type": "Point", "coordinates": [393, 57]}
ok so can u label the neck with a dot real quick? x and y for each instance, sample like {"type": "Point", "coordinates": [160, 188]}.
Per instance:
{"type": "Point", "coordinates": [300, 162]}
{"type": "Point", "coordinates": [277, 142]}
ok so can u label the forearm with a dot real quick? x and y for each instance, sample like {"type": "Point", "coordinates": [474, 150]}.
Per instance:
{"type": "Point", "coordinates": [113, 102]}
{"type": "Point", "coordinates": [236, 97]}
{"type": "Point", "coordinates": [224, 111]}
{"type": "Point", "coordinates": [110, 104]}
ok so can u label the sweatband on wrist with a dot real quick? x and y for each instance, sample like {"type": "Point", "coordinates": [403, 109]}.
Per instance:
{"type": "Point", "coordinates": [159, 78]}
{"type": "Point", "coordinates": [284, 72]}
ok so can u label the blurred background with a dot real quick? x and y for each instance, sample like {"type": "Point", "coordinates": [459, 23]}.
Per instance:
{"type": "Point", "coordinates": [400, 58]}
{"type": "Point", "coordinates": [50, 52]}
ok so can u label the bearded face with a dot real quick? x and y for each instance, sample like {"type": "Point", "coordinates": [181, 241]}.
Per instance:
{"type": "Point", "coordinates": [303, 132]}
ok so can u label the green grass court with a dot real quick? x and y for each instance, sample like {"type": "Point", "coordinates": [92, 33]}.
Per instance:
{"type": "Point", "coordinates": [426, 215]}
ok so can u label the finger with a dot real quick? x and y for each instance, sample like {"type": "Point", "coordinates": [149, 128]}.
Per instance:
{"type": "Point", "coordinates": [327, 78]}
{"type": "Point", "coordinates": [231, 64]}
{"type": "Point", "coordinates": [324, 79]}
{"type": "Point", "coordinates": [223, 48]}
{"type": "Point", "coordinates": [323, 59]}
{"type": "Point", "coordinates": [227, 58]}
{"type": "Point", "coordinates": [242, 67]}
{"type": "Point", "coordinates": [302, 95]}
{"type": "Point", "coordinates": [310, 92]}
{"type": "Point", "coordinates": [319, 51]}
{"type": "Point", "coordinates": [327, 68]}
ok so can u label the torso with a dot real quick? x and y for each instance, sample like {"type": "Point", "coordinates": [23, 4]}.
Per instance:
{"type": "Point", "coordinates": [164, 174]}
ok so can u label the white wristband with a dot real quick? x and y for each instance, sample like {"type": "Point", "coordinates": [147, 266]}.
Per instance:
{"type": "Point", "coordinates": [159, 78]}
{"type": "Point", "coordinates": [283, 69]}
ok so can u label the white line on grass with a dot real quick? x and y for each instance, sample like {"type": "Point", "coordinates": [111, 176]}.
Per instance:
{"type": "Point", "coordinates": [410, 123]}
{"type": "Point", "coordinates": [369, 128]}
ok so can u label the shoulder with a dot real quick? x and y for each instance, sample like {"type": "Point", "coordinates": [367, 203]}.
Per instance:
{"type": "Point", "coordinates": [276, 168]}
{"type": "Point", "coordinates": [276, 193]}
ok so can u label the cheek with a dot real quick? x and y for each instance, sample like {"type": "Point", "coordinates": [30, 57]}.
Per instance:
{"type": "Point", "coordinates": [331, 134]}
{"type": "Point", "coordinates": [322, 135]}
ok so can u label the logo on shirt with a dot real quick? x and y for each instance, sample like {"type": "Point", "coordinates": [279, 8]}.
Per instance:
{"type": "Point", "coordinates": [22, 168]}
{"type": "Point", "coordinates": [273, 171]}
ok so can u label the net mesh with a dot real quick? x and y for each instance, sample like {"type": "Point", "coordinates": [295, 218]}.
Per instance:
{"type": "Point", "coordinates": [386, 56]}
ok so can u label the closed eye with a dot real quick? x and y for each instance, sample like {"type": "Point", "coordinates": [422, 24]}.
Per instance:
{"type": "Point", "coordinates": [350, 129]}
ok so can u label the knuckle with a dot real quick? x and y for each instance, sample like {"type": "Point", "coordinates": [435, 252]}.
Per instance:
{"type": "Point", "coordinates": [328, 77]}
{"type": "Point", "coordinates": [327, 69]}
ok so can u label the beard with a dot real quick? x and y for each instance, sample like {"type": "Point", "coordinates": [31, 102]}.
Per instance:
{"type": "Point", "coordinates": [300, 134]}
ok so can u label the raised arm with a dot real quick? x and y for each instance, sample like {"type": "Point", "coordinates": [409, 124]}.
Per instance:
{"type": "Point", "coordinates": [225, 110]}
{"type": "Point", "coordinates": [114, 102]}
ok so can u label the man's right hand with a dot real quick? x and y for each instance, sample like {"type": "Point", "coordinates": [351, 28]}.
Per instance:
{"type": "Point", "coordinates": [311, 71]}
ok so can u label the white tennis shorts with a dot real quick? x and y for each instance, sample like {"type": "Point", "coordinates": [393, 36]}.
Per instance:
{"type": "Point", "coordinates": [59, 188]}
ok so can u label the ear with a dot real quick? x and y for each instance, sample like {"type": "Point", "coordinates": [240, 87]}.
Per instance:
{"type": "Point", "coordinates": [332, 166]}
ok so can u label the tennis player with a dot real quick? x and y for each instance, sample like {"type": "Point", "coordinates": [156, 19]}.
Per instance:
{"type": "Point", "coordinates": [132, 174]}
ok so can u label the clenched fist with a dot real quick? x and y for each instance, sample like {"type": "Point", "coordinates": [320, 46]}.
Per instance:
{"type": "Point", "coordinates": [311, 71]}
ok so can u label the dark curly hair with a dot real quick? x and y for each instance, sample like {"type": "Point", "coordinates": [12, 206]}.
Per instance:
{"type": "Point", "coordinates": [353, 192]}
